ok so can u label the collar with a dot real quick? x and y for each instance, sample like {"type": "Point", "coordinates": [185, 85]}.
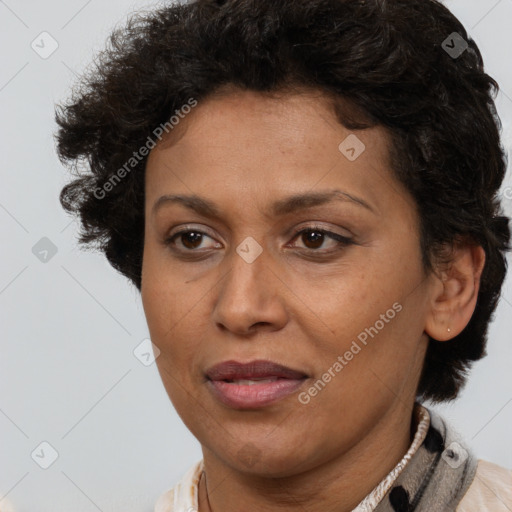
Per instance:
{"type": "Point", "coordinates": [434, 474]}
{"type": "Point", "coordinates": [421, 418]}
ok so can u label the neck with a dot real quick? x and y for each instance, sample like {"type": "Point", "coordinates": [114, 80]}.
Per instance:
{"type": "Point", "coordinates": [338, 485]}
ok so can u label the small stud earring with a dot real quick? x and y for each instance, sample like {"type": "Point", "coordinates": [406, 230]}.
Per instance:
{"type": "Point", "coordinates": [449, 330]}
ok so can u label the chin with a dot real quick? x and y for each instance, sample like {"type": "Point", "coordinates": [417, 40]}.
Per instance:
{"type": "Point", "coordinates": [267, 460]}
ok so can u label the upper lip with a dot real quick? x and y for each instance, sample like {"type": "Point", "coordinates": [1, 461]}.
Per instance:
{"type": "Point", "coordinates": [234, 370]}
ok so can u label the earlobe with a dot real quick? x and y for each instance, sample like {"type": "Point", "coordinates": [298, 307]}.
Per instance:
{"type": "Point", "coordinates": [455, 293]}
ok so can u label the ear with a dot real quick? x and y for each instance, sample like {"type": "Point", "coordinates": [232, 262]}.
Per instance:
{"type": "Point", "coordinates": [455, 292]}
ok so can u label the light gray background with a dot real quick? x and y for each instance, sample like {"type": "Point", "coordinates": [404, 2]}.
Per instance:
{"type": "Point", "coordinates": [69, 326]}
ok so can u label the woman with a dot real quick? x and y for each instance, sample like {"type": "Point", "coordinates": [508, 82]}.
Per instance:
{"type": "Point", "coordinates": [305, 194]}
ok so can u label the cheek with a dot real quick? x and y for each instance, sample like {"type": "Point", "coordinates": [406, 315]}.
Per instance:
{"type": "Point", "coordinates": [160, 293]}
{"type": "Point", "coordinates": [169, 310]}
{"type": "Point", "coordinates": [373, 319]}
{"type": "Point", "coordinates": [169, 330]}
{"type": "Point", "coordinates": [349, 299]}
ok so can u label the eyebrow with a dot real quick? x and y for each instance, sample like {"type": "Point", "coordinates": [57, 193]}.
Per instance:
{"type": "Point", "coordinates": [290, 204]}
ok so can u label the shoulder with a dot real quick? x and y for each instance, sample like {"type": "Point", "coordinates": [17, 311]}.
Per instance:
{"type": "Point", "coordinates": [183, 496]}
{"type": "Point", "coordinates": [165, 502]}
{"type": "Point", "coordinates": [6, 505]}
{"type": "Point", "coordinates": [491, 490]}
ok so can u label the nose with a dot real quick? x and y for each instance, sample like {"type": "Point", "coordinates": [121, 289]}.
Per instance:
{"type": "Point", "coordinates": [250, 297]}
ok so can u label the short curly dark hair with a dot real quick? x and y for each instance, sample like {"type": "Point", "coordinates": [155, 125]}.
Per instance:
{"type": "Point", "coordinates": [395, 63]}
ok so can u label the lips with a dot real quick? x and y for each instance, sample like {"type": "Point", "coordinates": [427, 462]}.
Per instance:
{"type": "Point", "coordinates": [232, 370]}
{"type": "Point", "coordinates": [252, 385]}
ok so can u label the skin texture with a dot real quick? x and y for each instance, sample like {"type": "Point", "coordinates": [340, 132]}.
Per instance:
{"type": "Point", "coordinates": [291, 305]}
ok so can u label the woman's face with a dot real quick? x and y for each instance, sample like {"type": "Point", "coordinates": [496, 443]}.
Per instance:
{"type": "Point", "coordinates": [241, 286]}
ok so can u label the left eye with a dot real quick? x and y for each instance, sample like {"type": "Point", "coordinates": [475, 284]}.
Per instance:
{"type": "Point", "coordinates": [316, 237]}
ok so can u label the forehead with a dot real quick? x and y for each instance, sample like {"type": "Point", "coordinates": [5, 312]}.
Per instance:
{"type": "Point", "coordinates": [245, 140]}
{"type": "Point", "coordinates": [288, 117]}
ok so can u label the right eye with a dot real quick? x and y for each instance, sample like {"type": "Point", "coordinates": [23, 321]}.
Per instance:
{"type": "Point", "coordinates": [189, 239]}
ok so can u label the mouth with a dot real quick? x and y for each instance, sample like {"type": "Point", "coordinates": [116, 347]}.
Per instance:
{"type": "Point", "coordinates": [252, 385]}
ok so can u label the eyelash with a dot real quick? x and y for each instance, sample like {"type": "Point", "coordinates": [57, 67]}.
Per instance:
{"type": "Point", "coordinates": [342, 240]}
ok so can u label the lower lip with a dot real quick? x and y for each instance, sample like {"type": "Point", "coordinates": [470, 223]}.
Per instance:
{"type": "Point", "coordinates": [243, 396]}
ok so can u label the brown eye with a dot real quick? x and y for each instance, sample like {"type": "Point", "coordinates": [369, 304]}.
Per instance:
{"type": "Point", "coordinates": [190, 239]}
{"type": "Point", "coordinates": [314, 237]}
